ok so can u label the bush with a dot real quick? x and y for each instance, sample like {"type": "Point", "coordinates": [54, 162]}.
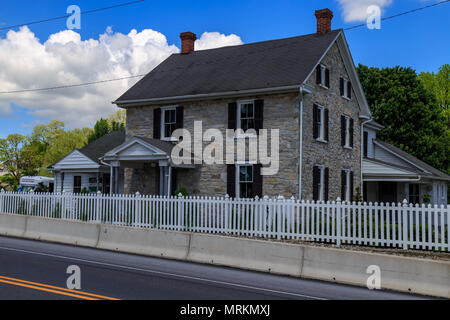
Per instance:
{"type": "Point", "coordinates": [183, 191]}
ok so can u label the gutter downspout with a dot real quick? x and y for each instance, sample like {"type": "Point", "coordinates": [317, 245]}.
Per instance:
{"type": "Point", "coordinates": [300, 162]}
{"type": "Point", "coordinates": [362, 155]}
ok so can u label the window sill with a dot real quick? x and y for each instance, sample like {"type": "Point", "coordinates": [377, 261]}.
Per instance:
{"type": "Point", "coordinates": [245, 136]}
{"type": "Point", "coordinates": [346, 98]}
{"type": "Point", "coordinates": [170, 139]}
{"type": "Point", "coordinates": [321, 140]}
{"type": "Point", "coordinates": [323, 86]}
{"type": "Point", "coordinates": [348, 148]}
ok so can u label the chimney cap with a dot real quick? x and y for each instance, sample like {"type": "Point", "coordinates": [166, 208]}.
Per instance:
{"type": "Point", "coordinates": [188, 36]}
{"type": "Point", "coordinates": [324, 13]}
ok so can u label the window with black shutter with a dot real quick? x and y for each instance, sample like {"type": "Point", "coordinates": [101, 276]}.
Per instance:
{"type": "Point", "coordinates": [346, 88]}
{"type": "Point", "coordinates": [169, 121]}
{"type": "Point", "coordinates": [180, 117]}
{"type": "Point", "coordinates": [323, 76]}
{"type": "Point", "coordinates": [352, 182]}
{"type": "Point", "coordinates": [347, 131]}
{"type": "Point", "coordinates": [231, 180]}
{"type": "Point", "coordinates": [352, 131]}
{"type": "Point", "coordinates": [157, 123]}
{"type": "Point", "coordinates": [257, 181]}
{"type": "Point", "coordinates": [320, 123]}
{"type": "Point", "coordinates": [259, 115]}
{"type": "Point", "coordinates": [320, 183]}
{"type": "Point", "coordinates": [347, 185]}
{"type": "Point", "coordinates": [232, 115]}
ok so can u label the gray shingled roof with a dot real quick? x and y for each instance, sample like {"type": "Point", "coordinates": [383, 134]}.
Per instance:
{"type": "Point", "coordinates": [269, 64]}
{"type": "Point", "coordinates": [435, 173]}
{"type": "Point", "coordinates": [96, 149]}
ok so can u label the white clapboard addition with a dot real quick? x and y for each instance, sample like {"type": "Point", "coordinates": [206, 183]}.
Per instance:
{"type": "Point", "coordinates": [392, 225]}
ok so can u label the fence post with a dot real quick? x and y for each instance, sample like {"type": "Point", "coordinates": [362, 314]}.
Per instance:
{"type": "Point", "coordinates": [227, 213]}
{"type": "Point", "coordinates": [2, 197]}
{"type": "Point", "coordinates": [31, 204]}
{"type": "Point", "coordinates": [180, 211]}
{"type": "Point", "coordinates": [338, 221]}
{"type": "Point", "coordinates": [97, 209]}
{"type": "Point", "coordinates": [266, 222]}
{"type": "Point", "coordinates": [405, 224]}
{"type": "Point", "coordinates": [279, 211]}
{"type": "Point", "coordinates": [137, 219]}
{"type": "Point", "coordinates": [63, 205]}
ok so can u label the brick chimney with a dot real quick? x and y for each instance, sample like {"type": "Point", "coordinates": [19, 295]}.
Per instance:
{"type": "Point", "coordinates": [187, 42]}
{"type": "Point", "coordinates": [324, 18]}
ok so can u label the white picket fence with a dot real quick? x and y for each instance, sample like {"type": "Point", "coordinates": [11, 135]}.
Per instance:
{"type": "Point", "coordinates": [394, 225]}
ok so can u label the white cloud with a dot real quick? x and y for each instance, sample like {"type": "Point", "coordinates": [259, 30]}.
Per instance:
{"type": "Point", "coordinates": [64, 59]}
{"type": "Point", "coordinates": [356, 10]}
{"type": "Point", "coordinates": [210, 40]}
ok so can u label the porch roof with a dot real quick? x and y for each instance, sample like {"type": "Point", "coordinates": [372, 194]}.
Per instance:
{"type": "Point", "coordinates": [140, 149]}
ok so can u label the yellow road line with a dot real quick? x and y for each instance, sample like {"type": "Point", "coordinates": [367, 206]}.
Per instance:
{"type": "Point", "coordinates": [54, 289]}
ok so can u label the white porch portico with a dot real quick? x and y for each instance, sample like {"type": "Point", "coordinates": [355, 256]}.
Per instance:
{"type": "Point", "coordinates": [142, 153]}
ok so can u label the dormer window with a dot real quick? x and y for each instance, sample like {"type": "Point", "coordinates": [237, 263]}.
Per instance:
{"type": "Point", "coordinates": [346, 88]}
{"type": "Point", "coordinates": [323, 76]}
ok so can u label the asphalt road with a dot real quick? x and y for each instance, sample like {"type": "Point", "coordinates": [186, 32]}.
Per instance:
{"type": "Point", "coordinates": [32, 270]}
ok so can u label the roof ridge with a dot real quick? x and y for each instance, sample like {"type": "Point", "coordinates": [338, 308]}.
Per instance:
{"type": "Point", "coordinates": [262, 42]}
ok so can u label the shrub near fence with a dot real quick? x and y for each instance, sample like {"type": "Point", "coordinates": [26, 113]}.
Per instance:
{"type": "Point", "coordinates": [396, 225]}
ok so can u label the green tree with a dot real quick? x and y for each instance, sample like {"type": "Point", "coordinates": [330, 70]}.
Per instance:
{"type": "Point", "coordinates": [439, 85]}
{"type": "Point", "coordinates": [16, 158]}
{"type": "Point", "coordinates": [101, 128]}
{"type": "Point", "coordinates": [412, 117]}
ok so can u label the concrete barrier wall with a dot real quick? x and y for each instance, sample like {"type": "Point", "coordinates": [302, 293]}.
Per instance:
{"type": "Point", "coordinates": [421, 276]}
{"type": "Point", "coordinates": [249, 254]}
{"type": "Point", "coordinates": [172, 245]}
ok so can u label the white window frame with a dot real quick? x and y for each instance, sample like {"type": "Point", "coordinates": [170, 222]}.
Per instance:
{"type": "Point", "coordinates": [347, 132]}
{"type": "Point", "coordinates": [239, 106]}
{"type": "Point", "coordinates": [346, 81]}
{"type": "Point", "coordinates": [323, 82]}
{"type": "Point", "coordinates": [321, 182]}
{"type": "Point", "coordinates": [238, 177]}
{"type": "Point", "coordinates": [321, 137]}
{"type": "Point", "coordinates": [163, 122]}
{"type": "Point", "coordinates": [347, 185]}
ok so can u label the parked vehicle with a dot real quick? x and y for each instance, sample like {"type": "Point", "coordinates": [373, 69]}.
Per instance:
{"type": "Point", "coordinates": [28, 184]}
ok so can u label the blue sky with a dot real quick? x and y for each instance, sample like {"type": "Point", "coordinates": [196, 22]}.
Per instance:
{"type": "Point", "coordinates": [419, 40]}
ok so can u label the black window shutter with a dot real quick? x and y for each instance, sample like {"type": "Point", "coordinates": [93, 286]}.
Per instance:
{"type": "Point", "coordinates": [343, 184]}
{"type": "Point", "coordinates": [352, 131]}
{"type": "Point", "coordinates": [316, 179]}
{"type": "Point", "coordinates": [232, 115]}
{"type": "Point", "coordinates": [157, 123]}
{"type": "Point", "coordinates": [366, 143]}
{"type": "Point", "coordinates": [319, 74]}
{"type": "Point", "coordinates": [351, 185]}
{"type": "Point", "coordinates": [342, 86]}
{"type": "Point", "coordinates": [180, 117]}
{"type": "Point", "coordinates": [315, 124]}
{"type": "Point", "coordinates": [343, 131]}
{"type": "Point", "coordinates": [326, 118]}
{"type": "Point", "coordinates": [327, 178]}
{"type": "Point", "coordinates": [259, 115]}
{"type": "Point", "coordinates": [349, 90]}
{"type": "Point", "coordinates": [257, 181]}
{"type": "Point", "coordinates": [231, 180]}
{"type": "Point", "coordinates": [327, 78]}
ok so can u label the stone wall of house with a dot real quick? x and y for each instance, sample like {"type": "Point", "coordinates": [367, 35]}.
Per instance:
{"type": "Point", "coordinates": [281, 111]}
{"type": "Point", "coordinates": [332, 155]}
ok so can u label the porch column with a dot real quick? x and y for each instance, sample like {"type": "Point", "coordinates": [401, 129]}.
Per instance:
{"type": "Point", "coordinates": [111, 174]}
{"type": "Point", "coordinates": [169, 181]}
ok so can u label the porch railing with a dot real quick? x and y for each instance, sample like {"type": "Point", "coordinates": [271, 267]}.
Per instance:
{"type": "Point", "coordinates": [393, 225]}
